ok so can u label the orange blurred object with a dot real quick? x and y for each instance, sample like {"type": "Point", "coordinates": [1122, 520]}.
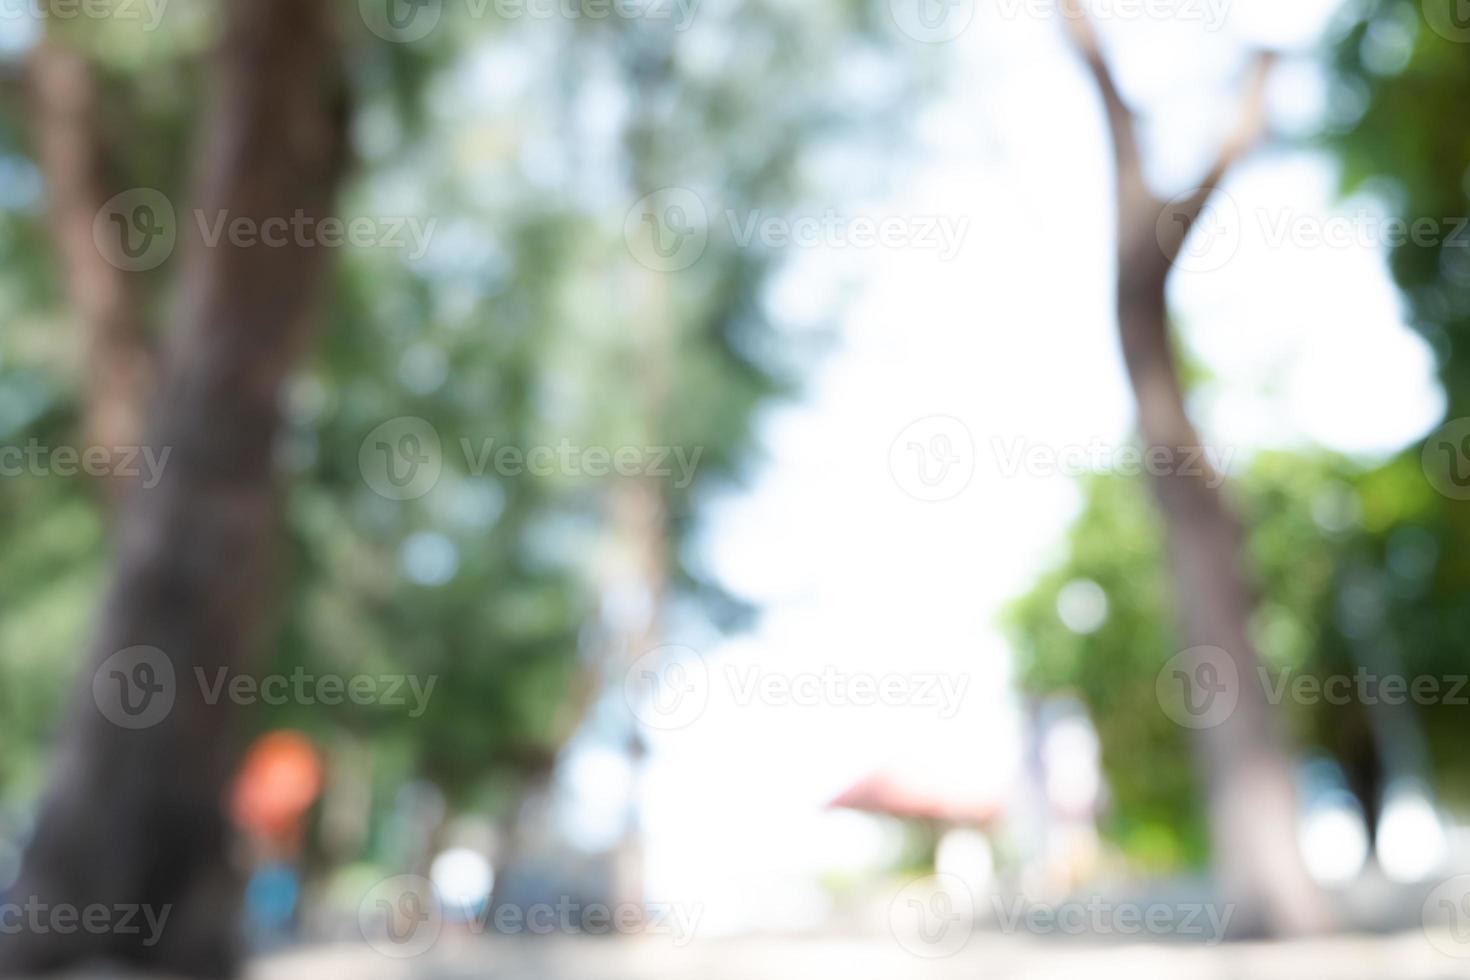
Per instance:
{"type": "Point", "coordinates": [278, 782]}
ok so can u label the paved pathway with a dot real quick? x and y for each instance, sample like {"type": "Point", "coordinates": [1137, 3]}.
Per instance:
{"type": "Point", "coordinates": [1406, 956]}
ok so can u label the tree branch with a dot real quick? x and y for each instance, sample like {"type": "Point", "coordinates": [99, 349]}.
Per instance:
{"type": "Point", "coordinates": [1250, 126]}
{"type": "Point", "coordinates": [1121, 123]}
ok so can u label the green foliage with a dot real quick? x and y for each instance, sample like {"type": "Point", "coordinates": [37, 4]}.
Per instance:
{"type": "Point", "coordinates": [1401, 89]}
{"type": "Point", "coordinates": [525, 323]}
{"type": "Point", "coordinates": [1117, 544]}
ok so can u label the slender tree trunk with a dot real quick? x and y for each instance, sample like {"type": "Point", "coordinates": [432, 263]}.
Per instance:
{"type": "Point", "coordinates": [1251, 797]}
{"type": "Point", "coordinates": [133, 815]}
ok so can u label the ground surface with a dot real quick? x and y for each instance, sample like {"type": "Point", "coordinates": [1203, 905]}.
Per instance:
{"type": "Point", "coordinates": [1407, 956]}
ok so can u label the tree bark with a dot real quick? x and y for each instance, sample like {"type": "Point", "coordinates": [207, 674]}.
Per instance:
{"type": "Point", "coordinates": [74, 157]}
{"type": "Point", "coordinates": [1251, 797]}
{"type": "Point", "coordinates": [133, 816]}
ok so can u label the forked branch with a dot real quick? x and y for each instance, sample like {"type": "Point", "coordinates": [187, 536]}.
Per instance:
{"type": "Point", "coordinates": [1139, 210]}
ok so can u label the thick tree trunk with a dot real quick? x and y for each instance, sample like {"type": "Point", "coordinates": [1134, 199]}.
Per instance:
{"type": "Point", "coordinates": [133, 816]}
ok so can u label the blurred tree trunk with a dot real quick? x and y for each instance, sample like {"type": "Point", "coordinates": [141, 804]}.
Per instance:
{"type": "Point", "coordinates": [133, 816]}
{"type": "Point", "coordinates": [1251, 797]}
{"type": "Point", "coordinates": [74, 156]}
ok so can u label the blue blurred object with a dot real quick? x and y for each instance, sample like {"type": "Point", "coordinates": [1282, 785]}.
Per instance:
{"type": "Point", "coordinates": [270, 902]}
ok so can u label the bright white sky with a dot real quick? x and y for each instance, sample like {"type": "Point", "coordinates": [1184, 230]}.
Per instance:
{"type": "Point", "coordinates": [1014, 337]}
